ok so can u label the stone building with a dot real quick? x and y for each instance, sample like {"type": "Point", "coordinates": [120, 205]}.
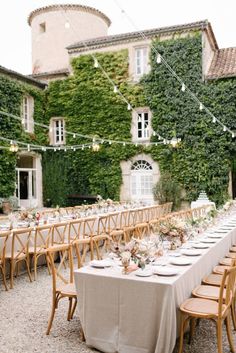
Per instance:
{"type": "Point", "coordinates": [63, 32]}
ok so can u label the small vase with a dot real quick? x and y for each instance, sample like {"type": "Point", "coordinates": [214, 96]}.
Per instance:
{"type": "Point", "coordinates": [125, 267]}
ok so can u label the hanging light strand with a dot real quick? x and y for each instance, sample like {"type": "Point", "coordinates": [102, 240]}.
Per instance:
{"type": "Point", "coordinates": [184, 88]}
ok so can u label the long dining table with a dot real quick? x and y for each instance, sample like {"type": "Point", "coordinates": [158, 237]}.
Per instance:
{"type": "Point", "coordinates": [131, 314]}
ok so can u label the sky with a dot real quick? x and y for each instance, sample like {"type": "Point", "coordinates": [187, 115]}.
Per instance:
{"type": "Point", "coordinates": [16, 34]}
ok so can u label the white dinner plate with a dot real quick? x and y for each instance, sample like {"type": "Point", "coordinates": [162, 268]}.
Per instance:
{"type": "Point", "coordinates": [143, 273]}
{"type": "Point", "coordinates": [4, 226]}
{"type": "Point", "coordinates": [201, 246]}
{"type": "Point", "coordinates": [22, 224]}
{"type": "Point", "coordinates": [215, 235]}
{"type": "Point", "coordinates": [165, 271]}
{"type": "Point", "coordinates": [100, 263]}
{"type": "Point", "coordinates": [208, 240]}
{"type": "Point", "coordinates": [191, 252]}
{"type": "Point", "coordinates": [223, 231]}
{"type": "Point", "coordinates": [180, 261]}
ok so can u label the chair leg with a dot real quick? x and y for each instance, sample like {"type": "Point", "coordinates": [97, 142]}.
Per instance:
{"type": "Point", "coordinates": [12, 269]}
{"type": "Point", "coordinates": [27, 267]}
{"type": "Point", "coordinates": [183, 323]}
{"type": "Point", "coordinates": [233, 314]}
{"type": "Point", "coordinates": [192, 329]}
{"type": "Point", "coordinates": [219, 336]}
{"type": "Point", "coordinates": [35, 266]}
{"type": "Point", "coordinates": [91, 250]}
{"type": "Point", "coordinates": [73, 308]}
{"type": "Point", "coordinates": [69, 309]}
{"type": "Point", "coordinates": [51, 318]}
{"type": "Point", "coordinates": [229, 334]}
{"type": "Point", "coordinates": [4, 277]}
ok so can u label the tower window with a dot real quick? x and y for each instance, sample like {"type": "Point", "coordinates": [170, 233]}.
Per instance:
{"type": "Point", "coordinates": [42, 27]}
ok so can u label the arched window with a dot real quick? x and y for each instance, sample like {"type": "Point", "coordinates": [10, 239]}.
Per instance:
{"type": "Point", "coordinates": [141, 164]}
{"type": "Point", "coordinates": [141, 180]}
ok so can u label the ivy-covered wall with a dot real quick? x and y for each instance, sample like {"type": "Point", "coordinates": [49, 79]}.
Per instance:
{"type": "Point", "coordinates": [11, 95]}
{"type": "Point", "coordinates": [87, 101]}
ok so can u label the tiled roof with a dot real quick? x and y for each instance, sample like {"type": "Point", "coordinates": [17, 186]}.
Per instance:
{"type": "Point", "coordinates": [51, 73]}
{"type": "Point", "coordinates": [65, 7]}
{"type": "Point", "coordinates": [150, 33]}
{"type": "Point", "coordinates": [223, 64]}
{"type": "Point", "coordinates": [20, 77]}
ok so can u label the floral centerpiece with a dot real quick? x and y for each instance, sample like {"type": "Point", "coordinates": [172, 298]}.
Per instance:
{"type": "Point", "coordinates": [173, 229]}
{"type": "Point", "coordinates": [139, 251]}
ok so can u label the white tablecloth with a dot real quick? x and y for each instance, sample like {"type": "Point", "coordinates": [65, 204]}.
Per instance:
{"type": "Point", "coordinates": [129, 314]}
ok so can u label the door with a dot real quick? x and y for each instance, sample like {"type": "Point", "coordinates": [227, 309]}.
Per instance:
{"type": "Point", "coordinates": [26, 187]}
{"type": "Point", "coordinates": [141, 181]}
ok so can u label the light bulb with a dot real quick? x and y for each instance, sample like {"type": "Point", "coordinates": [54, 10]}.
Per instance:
{"type": "Point", "coordinates": [129, 106]}
{"type": "Point", "coordinates": [224, 128]}
{"type": "Point", "coordinates": [201, 106]}
{"type": "Point", "coordinates": [214, 119]}
{"type": "Point", "coordinates": [115, 90]}
{"type": "Point", "coordinates": [28, 148]}
{"type": "Point", "coordinates": [95, 63]}
{"type": "Point", "coordinates": [154, 133]}
{"type": "Point", "coordinates": [74, 136]}
{"type": "Point", "coordinates": [158, 58]}
{"type": "Point", "coordinates": [233, 135]}
{"type": "Point", "coordinates": [183, 88]}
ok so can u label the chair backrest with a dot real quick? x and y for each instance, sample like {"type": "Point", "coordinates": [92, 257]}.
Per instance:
{"type": "Point", "coordinates": [3, 243]}
{"type": "Point", "coordinates": [124, 219]}
{"type": "Point", "coordinates": [132, 217]}
{"type": "Point", "coordinates": [113, 221]}
{"type": "Point", "coordinates": [43, 237]}
{"type": "Point", "coordinates": [227, 289]}
{"type": "Point", "coordinates": [60, 232]}
{"type": "Point", "coordinates": [102, 225]}
{"type": "Point", "coordinates": [89, 226]}
{"type": "Point", "coordinates": [75, 229]}
{"type": "Point", "coordinates": [20, 242]}
{"type": "Point", "coordinates": [58, 269]}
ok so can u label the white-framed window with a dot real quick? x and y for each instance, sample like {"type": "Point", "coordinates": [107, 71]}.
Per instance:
{"type": "Point", "coordinates": [57, 130]}
{"type": "Point", "coordinates": [141, 180]}
{"type": "Point", "coordinates": [141, 61]}
{"type": "Point", "coordinates": [27, 114]}
{"type": "Point", "coordinates": [143, 126]}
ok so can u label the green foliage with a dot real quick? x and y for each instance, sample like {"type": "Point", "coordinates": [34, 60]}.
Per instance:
{"type": "Point", "coordinates": [168, 190]}
{"type": "Point", "coordinates": [89, 106]}
{"type": "Point", "coordinates": [202, 161]}
{"type": "Point", "coordinates": [11, 95]}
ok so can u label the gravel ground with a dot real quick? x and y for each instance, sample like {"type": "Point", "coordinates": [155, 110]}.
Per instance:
{"type": "Point", "coordinates": [24, 312]}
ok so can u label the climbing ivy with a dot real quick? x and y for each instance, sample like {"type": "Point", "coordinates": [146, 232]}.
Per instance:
{"type": "Point", "coordinates": [202, 161]}
{"type": "Point", "coordinates": [11, 95]}
{"type": "Point", "coordinates": [87, 102]}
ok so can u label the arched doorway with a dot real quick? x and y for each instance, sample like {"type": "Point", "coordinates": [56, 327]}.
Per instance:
{"type": "Point", "coordinates": [141, 181]}
{"type": "Point", "coordinates": [139, 175]}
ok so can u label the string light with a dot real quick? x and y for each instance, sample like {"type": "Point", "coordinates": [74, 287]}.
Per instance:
{"type": "Point", "coordinates": [129, 106]}
{"type": "Point", "coordinates": [95, 63]}
{"type": "Point", "coordinates": [158, 58]}
{"type": "Point", "coordinates": [214, 119]}
{"type": "Point", "coordinates": [224, 128]}
{"type": "Point", "coordinates": [74, 136]}
{"type": "Point", "coordinates": [183, 87]}
{"type": "Point", "coordinates": [115, 90]}
{"type": "Point", "coordinates": [174, 74]}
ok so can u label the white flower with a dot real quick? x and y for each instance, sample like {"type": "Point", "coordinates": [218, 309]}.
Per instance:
{"type": "Point", "coordinates": [125, 256]}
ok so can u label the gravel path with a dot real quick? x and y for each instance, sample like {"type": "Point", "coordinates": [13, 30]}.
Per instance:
{"type": "Point", "coordinates": [24, 312]}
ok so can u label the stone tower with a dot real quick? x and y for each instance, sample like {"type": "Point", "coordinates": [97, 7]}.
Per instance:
{"type": "Point", "coordinates": [55, 27]}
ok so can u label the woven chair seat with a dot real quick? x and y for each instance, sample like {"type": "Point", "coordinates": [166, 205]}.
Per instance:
{"type": "Point", "coordinates": [220, 269]}
{"type": "Point", "coordinates": [207, 292]}
{"type": "Point", "coordinates": [67, 289]}
{"type": "Point", "coordinates": [226, 261]}
{"type": "Point", "coordinates": [200, 307]}
{"type": "Point", "coordinates": [213, 279]}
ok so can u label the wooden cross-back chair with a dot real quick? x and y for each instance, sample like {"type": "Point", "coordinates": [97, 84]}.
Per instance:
{"type": "Point", "coordinates": [62, 281]}
{"type": "Point", "coordinates": [218, 311]}
{"type": "Point", "coordinates": [19, 251]}
{"type": "Point", "coordinates": [89, 232]}
{"type": "Point", "coordinates": [3, 242]}
{"type": "Point", "coordinates": [129, 227]}
{"type": "Point", "coordinates": [115, 230]}
{"type": "Point", "coordinates": [41, 241]}
{"type": "Point", "coordinates": [76, 239]}
{"type": "Point", "coordinates": [60, 233]}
